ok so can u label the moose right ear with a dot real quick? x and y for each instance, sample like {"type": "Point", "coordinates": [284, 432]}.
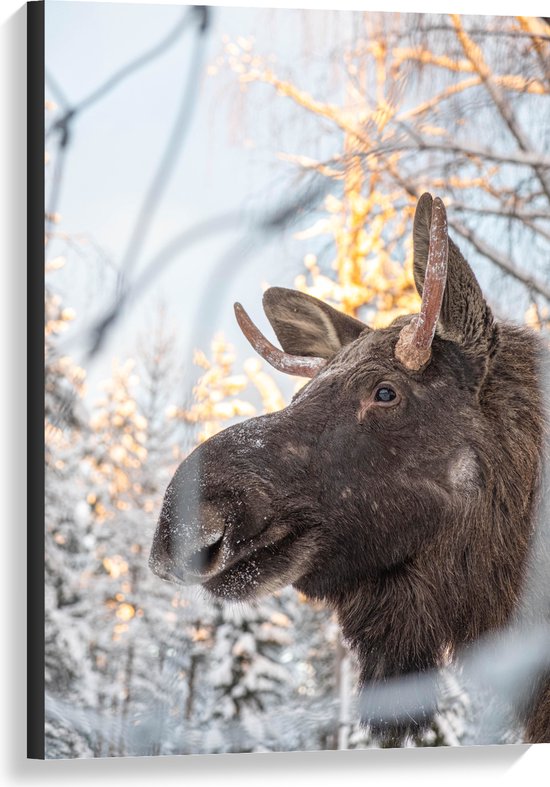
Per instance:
{"type": "Point", "coordinates": [465, 316]}
{"type": "Point", "coordinates": [306, 326]}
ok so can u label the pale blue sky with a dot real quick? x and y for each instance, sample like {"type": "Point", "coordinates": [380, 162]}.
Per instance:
{"type": "Point", "coordinates": [224, 163]}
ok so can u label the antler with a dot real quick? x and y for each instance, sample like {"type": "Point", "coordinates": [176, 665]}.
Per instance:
{"type": "Point", "coordinates": [300, 365]}
{"type": "Point", "coordinates": [414, 346]}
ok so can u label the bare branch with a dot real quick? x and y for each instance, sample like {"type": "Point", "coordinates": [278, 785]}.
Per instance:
{"type": "Point", "coordinates": [514, 214]}
{"type": "Point", "coordinates": [514, 82]}
{"type": "Point", "coordinates": [519, 158]}
{"type": "Point", "coordinates": [540, 41]}
{"type": "Point", "coordinates": [500, 260]}
{"type": "Point", "coordinates": [173, 146]}
{"type": "Point", "coordinates": [258, 227]}
{"type": "Point", "coordinates": [475, 55]}
{"type": "Point", "coordinates": [139, 62]}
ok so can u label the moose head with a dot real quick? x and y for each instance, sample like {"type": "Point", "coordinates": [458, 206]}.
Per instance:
{"type": "Point", "coordinates": [397, 485]}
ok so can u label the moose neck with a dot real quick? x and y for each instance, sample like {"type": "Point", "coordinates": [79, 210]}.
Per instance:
{"type": "Point", "coordinates": [412, 617]}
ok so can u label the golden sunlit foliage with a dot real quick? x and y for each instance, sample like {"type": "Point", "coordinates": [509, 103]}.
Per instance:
{"type": "Point", "coordinates": [538, 318]}
{"type": "Point", "coordinates": [367, 271]}
{"type": "Point", "coordinates": [367, 230]}
{"type": "Point", "coordinates": [59, 398]}
{"type": "Point", "coordinates": [217, 393]}
{"type": "Point", "coordinates": [122, 432]}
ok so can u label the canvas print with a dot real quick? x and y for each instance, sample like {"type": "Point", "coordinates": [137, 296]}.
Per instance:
{"type": "Point", "coordinates": [296, 315]}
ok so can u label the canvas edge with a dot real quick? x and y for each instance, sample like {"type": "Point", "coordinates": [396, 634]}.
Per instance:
{"type": "Point", "coordinates": [35, 380]}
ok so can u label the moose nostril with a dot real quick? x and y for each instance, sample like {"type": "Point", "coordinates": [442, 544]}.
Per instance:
{"type": "Point", "coordinates": [188, 542]}
{"type": "Point", "coordinates": [204, 559]}
{"type": "Point", "coordinates": [211, 524]}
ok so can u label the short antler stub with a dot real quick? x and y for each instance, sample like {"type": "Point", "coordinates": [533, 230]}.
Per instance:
{"type": "Point", "coordinates": [413, 348]}
{"type": "Point", "coordinates": [301, 366]}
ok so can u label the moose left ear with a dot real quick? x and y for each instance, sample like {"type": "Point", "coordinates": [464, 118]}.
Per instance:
{"type": "Point", "coordinates": [306, 326]}
{"type": "Point", "coordinates": [465, 317]}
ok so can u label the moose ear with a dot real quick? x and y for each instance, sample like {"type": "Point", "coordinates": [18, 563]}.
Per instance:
{"type": "Point", "coordinates": [465, 317]}
{"type": "Point", "coordinates": [306, 326]}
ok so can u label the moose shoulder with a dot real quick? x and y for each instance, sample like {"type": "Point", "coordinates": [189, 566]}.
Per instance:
{"type": "Point", "coordinates": [400, 484]}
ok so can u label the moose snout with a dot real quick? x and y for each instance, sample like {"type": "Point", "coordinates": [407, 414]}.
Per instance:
{"type": "Point", "coordinates": [201, 532]}
{"type": "Point", "coordinates": [214, 512]}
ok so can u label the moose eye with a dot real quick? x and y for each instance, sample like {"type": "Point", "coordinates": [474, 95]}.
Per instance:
{"type": "Point", "coordinates": [385, 394]}
{"type": "Point", "coordinates": [382, 396]}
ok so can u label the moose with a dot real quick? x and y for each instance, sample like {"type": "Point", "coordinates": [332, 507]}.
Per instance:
{"type": "Point", "coordinates": [400, 485]}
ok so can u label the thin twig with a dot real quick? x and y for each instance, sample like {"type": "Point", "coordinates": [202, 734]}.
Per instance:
{"type": "Point", "coordinates": [129, 69]}
{"type": "Point", "coordinates": [504, 214]}
{"type": "Point", "coordinates": [173, 147]}
{"type": "Point", "coordinates": [515, 212]}
{"type": "Point", "coordinates": [475, 56]}
{"type": "Point", "coordinates": [63, 125]}
{"type": "Point", "coordinates": [518, 158]}
{"type": "Point", "coordinates": [257, 228]}
{"type": "Point", "coordinates": [57, 91]}
{"type": "Point", "coordinates": [504, 263]}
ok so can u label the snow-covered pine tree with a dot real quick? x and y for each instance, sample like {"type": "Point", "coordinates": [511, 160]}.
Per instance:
{"type": "Point", "coordinates": [143, 632]}
{"type": "Point", "coordinates": [122, 495]}
{"type": "Point", "coordinates": [68, 668]}
{"type": "Point", "coordinates": [250, 682]}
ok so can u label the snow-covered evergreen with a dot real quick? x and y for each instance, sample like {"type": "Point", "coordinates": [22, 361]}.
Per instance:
{"type": "Point", "coordinates": [68, 669]}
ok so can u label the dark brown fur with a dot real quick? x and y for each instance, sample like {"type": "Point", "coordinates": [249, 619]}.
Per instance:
{"type": "Point", "coordinates": [414, 521]}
